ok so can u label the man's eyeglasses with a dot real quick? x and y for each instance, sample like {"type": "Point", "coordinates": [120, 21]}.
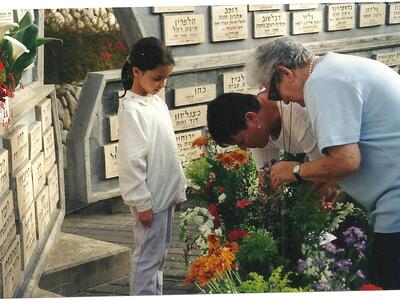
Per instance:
{"type": "Point", "coordinates": [273, 93]}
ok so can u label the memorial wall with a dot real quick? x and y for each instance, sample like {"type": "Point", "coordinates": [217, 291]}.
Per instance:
{"type": "Point", "coordinates": [210, 45]}
{"type": "Point", "coordinates": [31, 179]}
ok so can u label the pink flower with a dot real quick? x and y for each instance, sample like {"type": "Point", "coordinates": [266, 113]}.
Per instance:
{"type": "Point", "coordinates": [243, 203]}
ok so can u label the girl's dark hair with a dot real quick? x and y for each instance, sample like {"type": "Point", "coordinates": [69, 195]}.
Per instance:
{"type": "Point", "coordinates": [146, 54]}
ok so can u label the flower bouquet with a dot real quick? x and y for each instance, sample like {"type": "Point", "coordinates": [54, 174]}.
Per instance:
{"type": "Point", "coordinates": [18, 51]}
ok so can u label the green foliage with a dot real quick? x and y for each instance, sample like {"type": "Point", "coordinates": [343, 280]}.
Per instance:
{"type": "Point", "coordinates": [198, 171]}
{"type": "Point", "coordinates": [258, 253]}
{"type": "Point", "coordinates": [82, 52]}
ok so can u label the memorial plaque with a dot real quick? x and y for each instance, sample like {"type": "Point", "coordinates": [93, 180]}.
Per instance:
{"type": "Point", "coordinates": [27, 229]}
{"type": "Point", "coordinates": [35, 139]}
{"type": "Point", "coordinates": [21, 13]}
{"type": "Point", "coordinates": [341, 16]}
{"type": "Point", "coordinates": [6, 16]}
{"type": "Point", "coordinates": [23, 190]}
{"type": "Point", "coordinates": [42, 212]}
{"type": "Point", "coordinates": [256, 7]}
{"type": "Point", "coordinates": [49, 149]}
{"type": "Point", "coordinates": [195, 94]}
{"type": "Point", "coordinates": [169, 9]}
{"type": "Point", "coordinates": [394, 13]}
{"type": "Point", "coordinates": [229, 23]}
{"type": "Point", "coordinates": [234, 82]}
{"type": "Point", "coordinates": [306, 22]}
{"type": "Point", "coordinates": [389, 58]}
{"type": "Point", "coordinates": [10, 269]}
{"type": "Point", "coordinates": [189, 117]}
{"type": "Point", "coordinates": [111, 160]}
{"type": "Point", "coordinates": [184, 141]}
{"type": "Point", "coordinates": [52, 182]}
{"type": "Point", "coordinates": [114, 128]}
{"type": "Point", "coordinates": [300, 6]}
{"type": "Point", "coordinates": [372, 14]}
{"type": "Point", "coordinates": [43, 113]}
{"type": "Point", "coordinates": [17, 145]}
{"type": "Point", "coordinates": [6, 208]}
{"type": "Point", "coordinates": [270, 24]}
{"type": "Point", "coordinates": [4, 178]}
{"type": "Point", "coordinates": [38, 174]}
{"type": "Point", "coordinates": [7, 229]}
{"type": "Point", "coordinates": [183, 29]}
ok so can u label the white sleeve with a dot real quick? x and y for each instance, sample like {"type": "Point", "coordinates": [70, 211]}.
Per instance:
{"type": "Point", "coordinates": [261, 155]}
{"type": "Point", "coordinates": [132, 164]}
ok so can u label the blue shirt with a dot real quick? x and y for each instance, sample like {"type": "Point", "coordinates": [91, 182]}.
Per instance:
{"type": "Point", "coordinates": [351, 99]}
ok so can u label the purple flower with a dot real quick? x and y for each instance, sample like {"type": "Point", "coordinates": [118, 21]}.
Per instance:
{"type": "Point", "coordinates": [352, 235]}
{"type": "Point", "coordinates": [360, 274]}
{"type": "Point", "coordinates": [360, 247]}
{"type": "Point", "coordinates": [342, 264]}
{"type": "Point", "coordinates": [322, 286]}
{"type": "Point", "coordinates": [301, 265]}
{"type": "Point", "coordinates": [319, 262]}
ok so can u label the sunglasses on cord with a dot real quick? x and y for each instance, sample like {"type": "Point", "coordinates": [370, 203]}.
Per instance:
{"type": "Point", "coordinates": [273, 93]}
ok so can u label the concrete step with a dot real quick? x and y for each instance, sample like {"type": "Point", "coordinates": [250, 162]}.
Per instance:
{"type": "Point", "coordinates": [77, 263]}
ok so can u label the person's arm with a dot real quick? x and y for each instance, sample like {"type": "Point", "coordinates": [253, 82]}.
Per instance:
{"type": "Point", "coordinates": [339, 162]}
{"type": "Point", "coordinates": [132, 165]}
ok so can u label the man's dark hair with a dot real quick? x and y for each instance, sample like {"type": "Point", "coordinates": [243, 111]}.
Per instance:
{"type": "Point", "coordinates": [226, 115]}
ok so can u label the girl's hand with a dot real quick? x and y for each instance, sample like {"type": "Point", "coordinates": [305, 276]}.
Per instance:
{"type": "Point", "coordinates": [145, 217]}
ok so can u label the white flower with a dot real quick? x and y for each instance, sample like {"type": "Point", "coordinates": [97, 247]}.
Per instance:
{"type": "Point", "coordinates": [17, 47]}
{"type": "Point", "coordinates": [221, 198]}
{"type": "Point", "coordinates": [198, 220]}
{"type": "Point", "coordinates": [4, 27]}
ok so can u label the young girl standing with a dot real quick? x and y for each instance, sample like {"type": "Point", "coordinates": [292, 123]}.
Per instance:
{"type": "Point", "coordinates": [150, 175]}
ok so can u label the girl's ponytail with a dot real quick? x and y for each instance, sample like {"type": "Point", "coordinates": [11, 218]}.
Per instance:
{"type": "Point", "coordinates": [126, 77]}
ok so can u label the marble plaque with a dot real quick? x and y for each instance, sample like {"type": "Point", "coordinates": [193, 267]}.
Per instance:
{"type": "Point", "coordinates": [372, 14]}
{"type": "Point", "coordinates": [234, 82]}
{"type": "Point", "coordinates": [18, 147]}
{"type": "Point", "coordinates": [270, 24]}
{"type": "Point", "coordinates": [7, 229]}
{"type": "Point", "coordinates": [6, 16]}
{"type": "Point", "coordinates": [111, 160]}
{"type": "Point", "coordinates": [189, 117]}
{"type": "Point", "coordinates": [183, 29]}
{"type": "Point", "coordinates": [229, 23]}
{"type": "Point", "coordinates": [49, 149]}
{"type": "Point", "coordinates": [27, 227]}
{"type": "Point", "coordinates": [394, 13]}
{"type": "Point", "coordinates": [300, 6]}
{"type": "Point", "coordinates": [38, 174]}
{"type": "Point", "coordinates": [306, 22]}
{"type": "Point", "coordinates": [168, 9]}
{"type": "Point", "coordinates": [52, 182]}
{"type": "Point", "coordinates": [4, 177]}
{"type": "Point", "coordinates": [10, 269]}
{"type": "Point", "coordinates": [184, 141]}
{"type": "Point", "coordinates": [388, 58]}
{"type": "Point", "coordinates": [21, 13]}
{"type": "Point", "coordinates": [256, 7]}
{"type": "Point", "coordinates": [42, 212]}
{"type": "Point", "coordinates": [22, 186]}
{"type": "Point", "coordinates": [114, 128]}
{"type": "Point", "coordinates": [35, 139]}
{"type": "Point", "coordinates": [195, 94]}
{"type": "Point", "coordinates": [341, 16]}
{"type": "Point", "coordinates": [6, 208]}
{"type": "Point", "coordinates": [43, 113]}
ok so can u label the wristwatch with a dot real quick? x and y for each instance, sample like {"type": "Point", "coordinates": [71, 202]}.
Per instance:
{"type": "Point", "coordinates": [296, 173]}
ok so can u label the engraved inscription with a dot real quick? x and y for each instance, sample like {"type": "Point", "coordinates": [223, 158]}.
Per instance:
{"type": "Point", "coordinates": [28, 235]}
{"type": "Point", "coordinates": [10, 269]}
{"type": "Point", "coordinates": [306, 22]}
{"type": "Point", "coordinates": [372, 14]}
{"type": "Point", "coordinates": [394, 13]}
{"type": "Point", "coordinates": [42, 211]}
{"type": "Point", "coordinates": [22, 183]}
{"type": "Point", "coordinates": [341, 16]}
{"type": "Point", "coordinates": [17, 145]}
{"type": "Point", "coordinates": [114, 128]}
{"type": "Point", "coordinates": [43, 113]}
{"type": "Point", "coordinates": [234, 82]}
{"type": "Point", "coordinates": [35, 139]}
{"type": "Point", "coordinates": [49, 149]}
{"type": "Point", "coordinates": [111, 160]}
{"type": "Point", "coordinates": [389, 58]}
{"type": "Point", "coordinates": [183, 29]}
{"type": "Point", "coordinates": [195, 94]}
{"type": "Point", "coordinates": [190, 117]}
{"type": "Point", "coordinates": [6, 16]}
{"type": "Point", "coordinates": [52, 182]}
{"type": "Point", "coordinates": [229, 23]}
{"type": "Point", "coordinates": [4, 178]}
{"type": "Point", "coordinates": [184, 141]}
{"type": "Point", "coordinates": [270, 24]}
{"type": "Point", "coordinates": [38, 174]}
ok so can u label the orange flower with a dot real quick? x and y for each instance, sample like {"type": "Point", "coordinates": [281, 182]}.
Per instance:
{"type": "Point", "coordinates": [233, 159]}
{"type": "Point", "coordinates": [200, 142]}
{"type": "Point", "coordinates": [370, 287]}
{"type": "Point", "coordinates": [213, 241]}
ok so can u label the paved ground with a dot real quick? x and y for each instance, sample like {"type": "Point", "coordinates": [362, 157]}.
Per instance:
{"type": "Point", "coordinates": [117, 228]}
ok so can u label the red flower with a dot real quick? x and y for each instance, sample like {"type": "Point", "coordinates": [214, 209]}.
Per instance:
{"type": "Point", "coordinates": [208, 187]}
{"type": "Point", "coordinates": [220, 189]}
{"type": "Point", "coordinates": [212, 208]}
{"type": "Point", "coordinates": [236, 234]}
{"type": "Point", "coordinates": [370, 287]}
{"type": "Point", "coordinates": [243, 203]}
{"type": "Point", "coordinates": [2, 66]}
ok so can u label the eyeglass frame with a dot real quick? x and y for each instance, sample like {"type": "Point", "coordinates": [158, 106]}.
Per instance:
{"type": "Point", "coordinates": [273, 93]}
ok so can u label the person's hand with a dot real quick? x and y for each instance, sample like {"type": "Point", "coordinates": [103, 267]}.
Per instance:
{"type": "Point", "coordinates": [178, 206]}
{"type": "Point", "coordinates": [145, 217]}
{"type": "Point", "coordinates": [282, 172]}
